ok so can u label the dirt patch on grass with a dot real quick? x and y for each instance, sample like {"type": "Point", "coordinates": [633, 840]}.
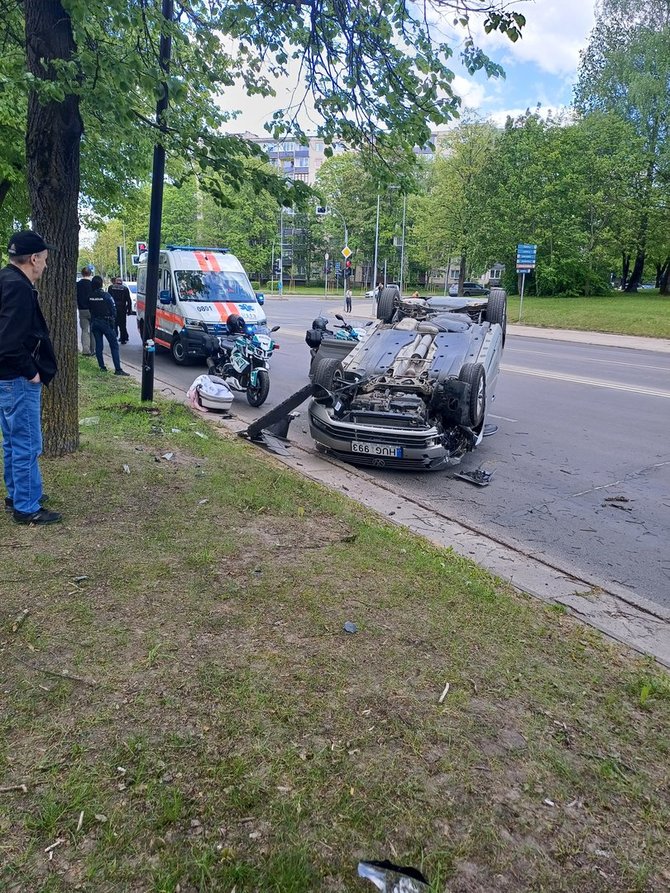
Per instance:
{"type": "Point", "coordinates": [239, 737]}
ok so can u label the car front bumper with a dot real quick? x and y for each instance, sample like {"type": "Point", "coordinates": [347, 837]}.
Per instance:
{"type": "Point", "coordinates": [412, 449]}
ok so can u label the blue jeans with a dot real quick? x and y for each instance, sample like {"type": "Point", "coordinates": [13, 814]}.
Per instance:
{"type": "Point", "coordinates": [21, 423]}
{"type": "Point", "coordinates": [99, 328]}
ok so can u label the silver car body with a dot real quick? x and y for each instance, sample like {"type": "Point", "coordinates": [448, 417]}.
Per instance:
{"type": "Point", "coordinates": [399, 400]}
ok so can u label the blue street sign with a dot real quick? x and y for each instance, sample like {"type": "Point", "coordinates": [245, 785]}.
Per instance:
{"type": "Point", "coordinates": [525, 258]}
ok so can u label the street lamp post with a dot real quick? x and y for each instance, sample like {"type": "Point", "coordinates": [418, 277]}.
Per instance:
{"type": "Point", "coordinates": [346, 245]}
{"type": "Point", "coordinates": [402, 244]}
{"type": "Point", "coordinates": [374, 274]}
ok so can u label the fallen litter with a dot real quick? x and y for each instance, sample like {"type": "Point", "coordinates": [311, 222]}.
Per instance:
{"type": "Point", "coordinates": [90, 420]}
{"type": "Point", "coordinates": [444, 693]}
{"type": "Point", "coordinates": [390, 878]}
{"type": "Point", "coordinates": [18, 623]}
{"type": "Point", "coordinates": [350, 627]}
{"type": "Point", "coordinates": [479, 477]}
{"type": "Point", "coordinates": [200, 434]}
{"type": "Point", "coordinates": [126, 469]}
{"type": "Point", "coordinates": [167, 456]}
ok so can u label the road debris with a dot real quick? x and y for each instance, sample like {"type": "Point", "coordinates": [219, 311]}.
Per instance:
{"type": "Point", "coordinates": [445, 692]}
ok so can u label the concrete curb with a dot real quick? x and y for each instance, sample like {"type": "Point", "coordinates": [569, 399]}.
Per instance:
{"type": "Point", "coordinates": [620, 614]}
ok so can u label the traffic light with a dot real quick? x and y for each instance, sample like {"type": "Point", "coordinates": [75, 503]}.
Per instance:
{"type": "Point", "coordinates": [347, 268]}
{"type": "Point", "coordinates": [276, 269]}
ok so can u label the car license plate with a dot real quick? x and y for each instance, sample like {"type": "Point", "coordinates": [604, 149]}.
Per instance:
{"type": "Point", "coordinates": [376, 449]}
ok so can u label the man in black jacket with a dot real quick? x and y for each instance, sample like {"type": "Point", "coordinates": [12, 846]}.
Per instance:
{"type": "Point", "coordinates": [124, 307]}
{"type": "Point", "coordinates": [84, 289]}
{"type": "Point", "coordinates": [27, 362]}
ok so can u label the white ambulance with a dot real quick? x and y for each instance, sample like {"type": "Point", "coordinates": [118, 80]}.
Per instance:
{"type": "Point", "coordinates": [198, 289]}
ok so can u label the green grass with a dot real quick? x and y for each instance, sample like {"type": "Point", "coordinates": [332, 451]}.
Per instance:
{"type": "Point", "coordinates": [237, 737]}
{"type": "Point", "coordinates": [646, 313]}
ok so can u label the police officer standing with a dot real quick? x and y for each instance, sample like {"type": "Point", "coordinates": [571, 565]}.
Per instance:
{"type": "Point", "coordinates": [124, 306]}
{"type": "Point", "coordinates": [103, 321]}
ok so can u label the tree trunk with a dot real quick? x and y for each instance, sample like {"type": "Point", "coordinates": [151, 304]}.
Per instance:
{"type": "Point", "coordinates": [52, 157]}
{"type": "Point", "coordinates": [636, 275]}
{"type": "Point", "coordinates": [461, 272]}
{"type": "Point", "coordinates": [664, 281]}
{"type": "Point", "coordinates": [625, 269]}
{"type": "Point", "coordinates": [5, 186]}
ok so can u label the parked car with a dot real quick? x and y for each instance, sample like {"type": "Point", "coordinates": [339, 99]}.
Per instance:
{"type": "Point", "coordinates": [415, 393]}
{"type": "Point", "coordinates": [470, 290]}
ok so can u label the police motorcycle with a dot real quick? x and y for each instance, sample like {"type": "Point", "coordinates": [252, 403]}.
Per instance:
{"type": "Point", "coordinates": [322, 340]}
{"type": "Point", "coordinates": [242, 359]}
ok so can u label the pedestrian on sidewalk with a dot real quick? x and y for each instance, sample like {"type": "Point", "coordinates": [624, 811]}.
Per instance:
{"type": "Point", "coordinates": [124, 306]}
{"type": "Point", "coordinates": [347, 301]}
{"type": "Point", "coordinates": [103, 323]}
{"type": "Point", "coordinates": [84, 288]}
{"type": "Point", "coordinates": [27, 362]}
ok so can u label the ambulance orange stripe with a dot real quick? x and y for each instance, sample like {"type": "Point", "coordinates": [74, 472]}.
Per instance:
{"type": "Point", "coordinates": [214, 262]}
{"type": "Point", "coordinates": [170, 317]}
{"type": "Point", "coordinates": [203, 262]}
{"type": "Point", "coordinates": [162, 343]}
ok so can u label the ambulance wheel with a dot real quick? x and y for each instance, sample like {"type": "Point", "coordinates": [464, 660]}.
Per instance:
{"type": "Point", "coordinates": [178, 351]}
{"type": "Point", "coordinates": [258, 395]}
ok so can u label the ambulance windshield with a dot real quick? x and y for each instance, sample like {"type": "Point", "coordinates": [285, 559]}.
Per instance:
{"type": "Point", "coordinates": [211, 287]}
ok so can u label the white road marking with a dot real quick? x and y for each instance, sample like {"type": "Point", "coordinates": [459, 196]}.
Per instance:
{"type": "Point", "coordinates": [503, 417]}
{"type": "Point", "coordinates": [592, 382]}
{"type": "Point", "coordinates": [541, 353]}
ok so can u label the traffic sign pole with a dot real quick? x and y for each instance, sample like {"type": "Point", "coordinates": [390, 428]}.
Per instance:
{"type": "Point", "coordinates": [526, 256]}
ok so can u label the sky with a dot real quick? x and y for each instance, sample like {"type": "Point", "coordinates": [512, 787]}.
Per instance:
{"type": "Point", "coordinates": [541, 67]}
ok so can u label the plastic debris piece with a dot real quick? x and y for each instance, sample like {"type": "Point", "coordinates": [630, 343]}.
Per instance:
{"type": "Point", "coordinates": [167, 456]}
{"type": "Point", "coordinates": [200, 434]}
{"type": "Point", "coordinates": [350, 627]}
{"type": "Point", "coordinates": [90, 420]}
{"type": "Point", "coordinates": [479, 477]}
{"type": "Point", "coordinates": [176, 430]}
{"type": "Point", "coordinates": [126, 469]}
{"type": "Point", "coordinates": [390, 878]}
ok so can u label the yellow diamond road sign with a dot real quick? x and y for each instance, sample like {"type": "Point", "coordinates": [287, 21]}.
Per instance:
{"type": "Point", "coordinates": [346, 251]}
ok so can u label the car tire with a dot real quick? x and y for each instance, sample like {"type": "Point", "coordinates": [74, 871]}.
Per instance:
{"type": "Point", "coordinates": [323, 378]}
{"type": "Point", "coordinates": [388, 302]}
{"type": "Point", "coordinates": [258, 395]}
{"type": "Point", "coordinates": [496, 310]}
{"type": "Point", "coordinates": [474, 375]}
{"type": "Point", "coordinates": [178, 351]}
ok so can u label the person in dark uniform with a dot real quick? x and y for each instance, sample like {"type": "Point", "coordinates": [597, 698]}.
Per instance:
{"type": "Point", "coordinates": [103, 323]}
{"type": "Point", "coordinates": [83, 294]}
{"type": "Point", "coordinates": [124, 306]}
{"type": "Point", "coordinates": [27, 362]}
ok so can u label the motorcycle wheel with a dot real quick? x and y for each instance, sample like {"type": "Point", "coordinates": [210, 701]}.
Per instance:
{"type": "Point", "coordinates": [258, 395]}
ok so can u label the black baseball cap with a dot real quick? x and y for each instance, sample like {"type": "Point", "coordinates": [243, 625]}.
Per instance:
{"type": "Point", "coordinates": [27, 242]}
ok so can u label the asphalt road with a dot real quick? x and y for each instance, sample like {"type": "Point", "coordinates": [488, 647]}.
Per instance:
{"type": "Point", "coordinates": [581, 459]}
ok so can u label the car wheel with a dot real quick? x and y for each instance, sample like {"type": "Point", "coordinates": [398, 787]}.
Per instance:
{"type": "Point", "coordinates": [496, 310]}
{"type": "Point", "coordinates": [387, 303]}
{"type": "Point", "coordinates": [178, 351]}
{"type": "Point", "coordinates": [473, 374]}
{"type": "Point", "coordinates": [326, 372]}
{"type": "Point", "coordinates": [258, 395]}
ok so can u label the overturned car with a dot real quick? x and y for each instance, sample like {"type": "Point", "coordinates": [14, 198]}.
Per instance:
{"type": "Point", "coordinates": [416, 392]}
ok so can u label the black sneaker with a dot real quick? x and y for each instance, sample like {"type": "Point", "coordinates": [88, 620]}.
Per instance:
{"type": "Point", "coordinates": [9, 502]}
{"type": "Point", "coordinates": [41, 516]}
{"type": "Point", "coordinates": [121, 372]}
